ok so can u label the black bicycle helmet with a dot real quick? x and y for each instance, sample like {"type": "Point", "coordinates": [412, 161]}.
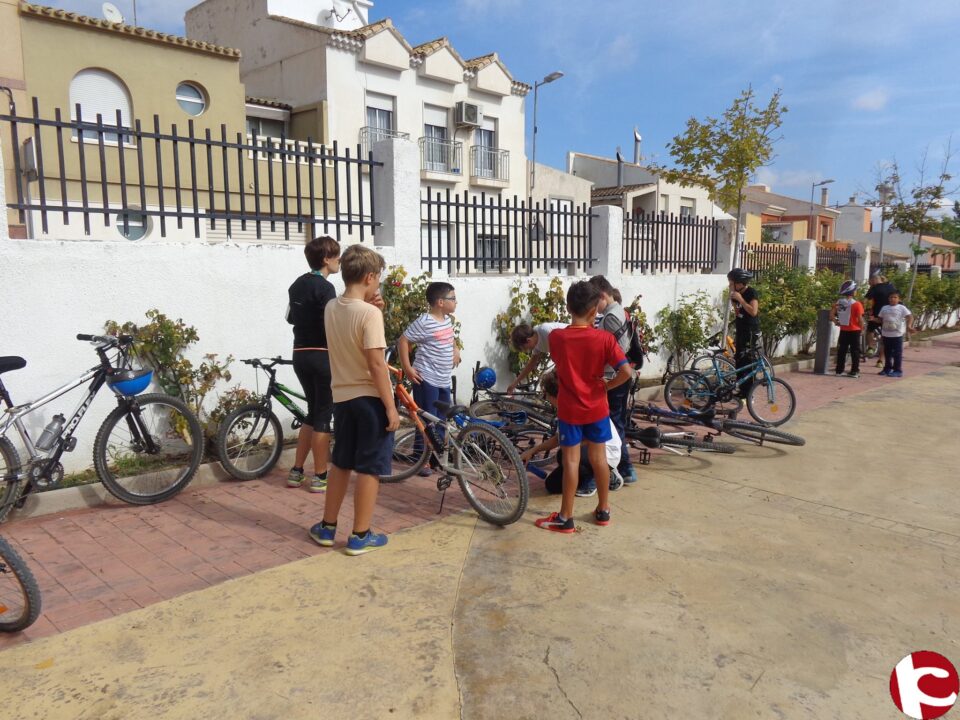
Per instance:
{"type": "Point", "coordinates": [739, 275]}
{"type": "Point", "coordinates": [849, 287]}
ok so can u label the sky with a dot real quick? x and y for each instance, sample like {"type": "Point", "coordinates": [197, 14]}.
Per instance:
{"type": "Point", "coordinates": [865, 83]}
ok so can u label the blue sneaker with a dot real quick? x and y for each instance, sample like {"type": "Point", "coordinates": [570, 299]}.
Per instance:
{"type": "Point", "coordinates": [884, 373]}
{"type": "Point", "coordinates": [895, 373]}
{"type": "Point", "coordinates": [324, 535]}
{"type": "Point", "coordinates": [357, 545]}
{"type": "Point", "coordinates": [631, 477]}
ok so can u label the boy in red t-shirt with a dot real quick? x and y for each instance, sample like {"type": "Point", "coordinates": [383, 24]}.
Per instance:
{"type": "Point", "coordinates": [580, 352]}
{"type": "Point", "coordinates": [847, 312]}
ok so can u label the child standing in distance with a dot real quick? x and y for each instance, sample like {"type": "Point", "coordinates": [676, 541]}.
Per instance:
{"type": "Point", "coordinates": [847, 312]}
{"type": "Point", "coordinates": [437, 352]}
{"type": "Point", "coordinates": [364, 413]}
{"type": "Point", "coordinates": [896, 321]}
{"type": "Point", "coordinates": [580, 352]}
{"type": "Point", "coordinates": [309, 296]}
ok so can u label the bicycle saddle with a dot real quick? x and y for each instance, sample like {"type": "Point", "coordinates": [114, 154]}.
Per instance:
{"type": "Point", "coordinates": [651, 437]}
{"type": "Point", "coordinates": [448, 410]}
{"type": "Point", "coordinates": [11, 362]}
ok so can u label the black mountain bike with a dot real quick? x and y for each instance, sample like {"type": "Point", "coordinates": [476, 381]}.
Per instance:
{"type": "Point", "coordinates": [147, 449]}
{"type": "Point", "coordinates": [19, 594]}
{"type": "Point", "coordinates": [250, 439]}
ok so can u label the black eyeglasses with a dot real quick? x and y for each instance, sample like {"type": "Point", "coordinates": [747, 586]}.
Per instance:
{"type": "Point", "coordinates": [452, 298]}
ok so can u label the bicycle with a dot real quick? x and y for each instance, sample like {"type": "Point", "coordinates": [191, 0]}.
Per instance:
{"type": "Point", "coordinates": [481, 459]}
{"type": "Point", "coordinates": [770, 400]}
{"type": "Point", "coordinates": [19, 594]}
{"type": "Point", "coordinates": [250, 439]}
{"type": "Point", "coordinates": [147, 449]}
{"type": "Point", "coordinates": [741, 429]}
{"type": "Point", "coordinates": [867, 350]}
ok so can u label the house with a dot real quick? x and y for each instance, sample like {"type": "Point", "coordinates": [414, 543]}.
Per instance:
{"type": "Point", "coordinates": [66, 64]}
{"type": "Point", "coordinates": [857, 223]}
{"type": "Point", "coordinates": [638, 189]}
{"type": "Point", "coordinates": [779, 218]}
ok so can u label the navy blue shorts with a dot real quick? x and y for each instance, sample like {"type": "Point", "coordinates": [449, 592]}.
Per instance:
{"type": "Point", "coordinates": [361, 441]}
{"type": "Point", "coordinates": [595, 432]}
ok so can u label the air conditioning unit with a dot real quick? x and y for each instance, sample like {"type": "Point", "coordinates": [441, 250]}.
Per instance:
{"type": "Point", "coordinates": [468, 114]}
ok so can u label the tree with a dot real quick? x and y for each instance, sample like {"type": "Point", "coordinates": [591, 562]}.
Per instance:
{"type": "Point", "coordinates": [911, 211]}
{"type": "Point", "coordinates": [722, 154]}
{"type": "Point", "coordinates": [950, 227]}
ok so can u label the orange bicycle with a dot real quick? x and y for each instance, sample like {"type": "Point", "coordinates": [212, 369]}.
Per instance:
{"type": "Point", "coordinates": [474, 453]}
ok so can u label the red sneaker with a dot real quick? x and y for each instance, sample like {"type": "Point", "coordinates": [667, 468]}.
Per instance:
{"type": "Point", "coordinates": [553, 523]}
{"type": "Point", "coordinates": [601, 517]}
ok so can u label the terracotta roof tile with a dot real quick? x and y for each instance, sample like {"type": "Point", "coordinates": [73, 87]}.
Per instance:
{"type": "Point", "coordinates": [478, 63]}
{"type": "Point", "coordinates": [614, 191]}
{"type": "Point", "coordinates": [268, 102]}
{"type": "Point", "coordinates": [50, 13]}
{"type": "Point", "coordinates": [430, 47]}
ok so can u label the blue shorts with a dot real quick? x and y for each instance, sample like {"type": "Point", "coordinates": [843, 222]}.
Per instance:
{"type": "Point", "coordinates": [361, 441]}
{"type": "Point", "coordinates": [595, 432]}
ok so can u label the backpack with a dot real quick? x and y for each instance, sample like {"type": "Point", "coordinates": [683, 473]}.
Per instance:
{"type": "Point", "coordinates": [635, 352]}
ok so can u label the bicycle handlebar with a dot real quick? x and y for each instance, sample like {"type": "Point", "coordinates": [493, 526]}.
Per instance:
{"type": "Point", "coordinates": [271, 362]}
{"type": "Point", "coordinates": [106, 339]}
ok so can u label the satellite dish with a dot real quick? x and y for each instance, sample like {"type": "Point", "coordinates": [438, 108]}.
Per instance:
{"type": "Point", "coordinates": [112, 13]}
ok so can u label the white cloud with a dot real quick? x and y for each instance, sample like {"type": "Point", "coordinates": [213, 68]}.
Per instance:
{"type": "Point", "coordinates": [871, 100]}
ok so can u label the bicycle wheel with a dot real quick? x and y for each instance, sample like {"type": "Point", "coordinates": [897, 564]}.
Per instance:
{"type": "Point", "coordinates": [771, 403]}
{"type": "Point", "coordinates": [516, 414]}
{"type": "Point", "coordinates": [9, 469]}
{"type": "Point", "coordinates": [710, 366]}
{"type": "Point", "coordinates": [690, 444]}
{"type": "Point", "coordinates": [249, 441]}
{"type": "Point", "coordinates": [649, 415]}
{"type": "Point", "coordinates": [759, 433]}
{"type": "Point", "coordinates": [148, 450]}
{"type": "Point", "coordinates": [19, 594]}
{"type": "Point", "coordinates": [491, 474]}
{"type": "Point", "coordinates": [688, 390]}
{"type": "Point", "coordinates": [524, 440]}
{"type": "Point", "coordinates": [407, 458]}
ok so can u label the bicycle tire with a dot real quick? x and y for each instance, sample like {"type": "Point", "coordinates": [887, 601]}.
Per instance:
{"type": "Point", "coordinates": [642, 414]}
{"type": "Point", "coordinates": [487, 453]}
{"type": "Point", "coordinates": [9, 465]}
{"type": "Point", "coordinates": [493, 411]}
{"type": "Point", "coordinates": [14, 572]}
{"type": "Point", "coordinates": [688, 390]}
{"type": "Point", "coordinates": [760, 433]}
{"type": "Point", "coordinates": [249, 441]}
{"type": "Point", "coordinates": [755, 403]}
{"type": "Point", "coordinates": [691, 444]}
{"type": "Point", "coordinates": [524, 440]}
{"type": "Point", "coordinates": [181, 436]}
{"type": "Point", "coordinates": [704, 364]}
{"type": "Point", "coordinates": [404, 456]}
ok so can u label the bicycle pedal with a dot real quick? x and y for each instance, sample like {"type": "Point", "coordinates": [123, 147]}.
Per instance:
{"type": "Point", "coordinates": [443, 482]}
{"type": "Point", "coordinates": [644, 457]}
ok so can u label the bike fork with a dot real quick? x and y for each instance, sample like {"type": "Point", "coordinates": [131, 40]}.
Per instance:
{"type": "Point", "coordinates": [138, 431]}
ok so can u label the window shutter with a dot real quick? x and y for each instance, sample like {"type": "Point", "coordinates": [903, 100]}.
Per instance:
{"type": "Point", "coordinates": [99, 92]}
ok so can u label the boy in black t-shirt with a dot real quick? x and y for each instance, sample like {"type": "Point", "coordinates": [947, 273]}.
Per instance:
{"type": "Point", "coordinates": [309, 296]}
{"type": "Point", "coordinates": [746, 307]}
{"type": "Point", "coordinates": [879, 296]}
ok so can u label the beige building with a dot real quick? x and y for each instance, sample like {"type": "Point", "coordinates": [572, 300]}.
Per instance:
{"type": "Point", "coordinates": [784, 219]}
{"type": "Point", "coordinates": [70, 62]}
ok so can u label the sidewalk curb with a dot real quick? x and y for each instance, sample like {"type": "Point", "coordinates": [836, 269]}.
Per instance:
{"type": "Point", "coordinates": [95, 495]}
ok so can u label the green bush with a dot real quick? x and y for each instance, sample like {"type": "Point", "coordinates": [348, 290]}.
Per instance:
{"type": "Point", "coordinates": [790, 299]}
{"type": "Point", "coordinates": [684, 329]}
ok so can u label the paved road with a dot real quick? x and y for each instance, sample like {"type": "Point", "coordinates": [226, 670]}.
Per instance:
{"type": "Point", "coordinates": [773, 583]}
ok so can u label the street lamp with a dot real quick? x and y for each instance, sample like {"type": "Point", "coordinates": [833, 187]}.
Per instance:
{"type": "Point", "coordinates": [884, 195]}
{"type": "Point", "coordinates": [548, 79]}
{"type": "Point", "coordinates": [812, 187]}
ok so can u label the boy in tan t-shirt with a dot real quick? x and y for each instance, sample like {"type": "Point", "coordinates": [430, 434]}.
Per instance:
{"type": "Point", "coordinates": [364, 413]}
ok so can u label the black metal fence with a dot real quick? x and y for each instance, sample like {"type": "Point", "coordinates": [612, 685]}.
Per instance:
{"type": "Point", "coordinates": [116, 169]}
{"type": "Point", "coordinates": [758, 258]}
{"type": "Point", "coordinates": [492, 234]}
{"type": "Point", "coordinates": [669, 243]}
{"type": "Point", "coordinates": [837, 260]}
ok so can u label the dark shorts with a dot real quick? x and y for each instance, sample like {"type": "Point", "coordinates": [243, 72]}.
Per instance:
{"type": "Point", "coordinates": [361, 441]}
{"type": "Point", "coordinates": [313, 371]}
{"type": "Point", "coordinates": [595, 432]}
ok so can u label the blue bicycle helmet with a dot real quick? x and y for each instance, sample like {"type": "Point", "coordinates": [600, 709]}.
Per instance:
{"type": "Point", "coordinates": [849, 287]}
{"type": "Point", "coordinates": [130, 382]}
{"type": "Point", "coordinates": [486, 378]}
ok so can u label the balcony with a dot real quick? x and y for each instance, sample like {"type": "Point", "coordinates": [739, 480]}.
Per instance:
{"type": "Point", "coordinates": [372, 135]}
{"type": "Point", "coordinates": [489, 167]}
{"type": "Point", "coordinates": [440, 160]}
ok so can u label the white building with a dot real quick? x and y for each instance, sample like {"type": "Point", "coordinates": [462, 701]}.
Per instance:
{"type": "Point", "coordinates": [859, 223]}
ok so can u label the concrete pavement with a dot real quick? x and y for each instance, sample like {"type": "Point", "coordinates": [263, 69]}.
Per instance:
{"type": "Point", "coordinates": [775, 583]}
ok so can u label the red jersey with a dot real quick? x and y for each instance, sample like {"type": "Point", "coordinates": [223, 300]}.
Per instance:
{"type": "Point", "coordinates": [580, 354]}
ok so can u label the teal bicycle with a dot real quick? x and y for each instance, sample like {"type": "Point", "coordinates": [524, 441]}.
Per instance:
{"type": "Point", "coordinates": [250, 439]}
{"type": "Point", "coordinates": [770, 400]}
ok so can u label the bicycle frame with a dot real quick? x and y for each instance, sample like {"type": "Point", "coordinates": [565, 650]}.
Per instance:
{"type": "Point", "coordinates": [278, 390]}
{"type": "Point", "coordinates": [748, 372]}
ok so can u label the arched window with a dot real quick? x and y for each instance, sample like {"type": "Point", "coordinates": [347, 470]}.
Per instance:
{"type": "Point", "coordinates": [100, 92]}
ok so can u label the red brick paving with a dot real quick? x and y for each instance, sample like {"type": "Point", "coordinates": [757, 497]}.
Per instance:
{"type": "Point", "coordinates": [96, 563]}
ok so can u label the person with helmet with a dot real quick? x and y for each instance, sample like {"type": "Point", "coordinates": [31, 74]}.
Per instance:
{"type": "Point", "coordinates": [746, 309]}
{"type": "Point", "coordinates": [847, 312]}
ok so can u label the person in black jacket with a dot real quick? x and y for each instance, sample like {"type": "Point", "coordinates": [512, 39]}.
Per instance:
{"type": "Point", "coordinates": [746, 307]}
{"type": "Point", "coordinates": [309, 296]}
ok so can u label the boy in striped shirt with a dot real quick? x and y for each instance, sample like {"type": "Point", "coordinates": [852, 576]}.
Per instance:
{"type": "Point", "coordinates": [437, 352]}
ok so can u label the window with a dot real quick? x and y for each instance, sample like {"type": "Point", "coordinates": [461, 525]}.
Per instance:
{"type": "Point", "coordinates": [688, 208]}
{"type": "Point", "coordinates": [191, 98]}
{"type": "Point", "coordinates": [436, 149]}
{"type": "Point", "coordinates": [486, 139]}
{"type": "Point", "coordinates": [824, 232]}
{"type": "Point", "coordinates": [99, 92]}
{"type": "Point", "coordinates": [137, 224]}
{"type": "Point", "coordinates": [492, 251]}
{"type": "Point", "coordinates": [265, 127]}
{"type": "Point", "coordinates": [379, 116]}
{"type": "Point", "coordinates": [665, 204]}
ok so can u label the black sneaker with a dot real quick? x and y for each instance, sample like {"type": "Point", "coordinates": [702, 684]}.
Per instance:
{"type": "Point", "coordinates": [601, 517]}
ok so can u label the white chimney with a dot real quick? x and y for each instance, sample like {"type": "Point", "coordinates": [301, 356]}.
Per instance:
{"type": "Point", "coordinates": [824, 194]}
{"type": "Point", "coordinates": [337, 14]}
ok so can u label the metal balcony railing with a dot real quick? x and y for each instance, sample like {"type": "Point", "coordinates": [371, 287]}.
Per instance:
{"type": "Point", "coordinates": [371, 135]}
{"type": "Point", "coordinates": [441, 156]}
{"type": "Point", "coordinates": [489, 163]}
